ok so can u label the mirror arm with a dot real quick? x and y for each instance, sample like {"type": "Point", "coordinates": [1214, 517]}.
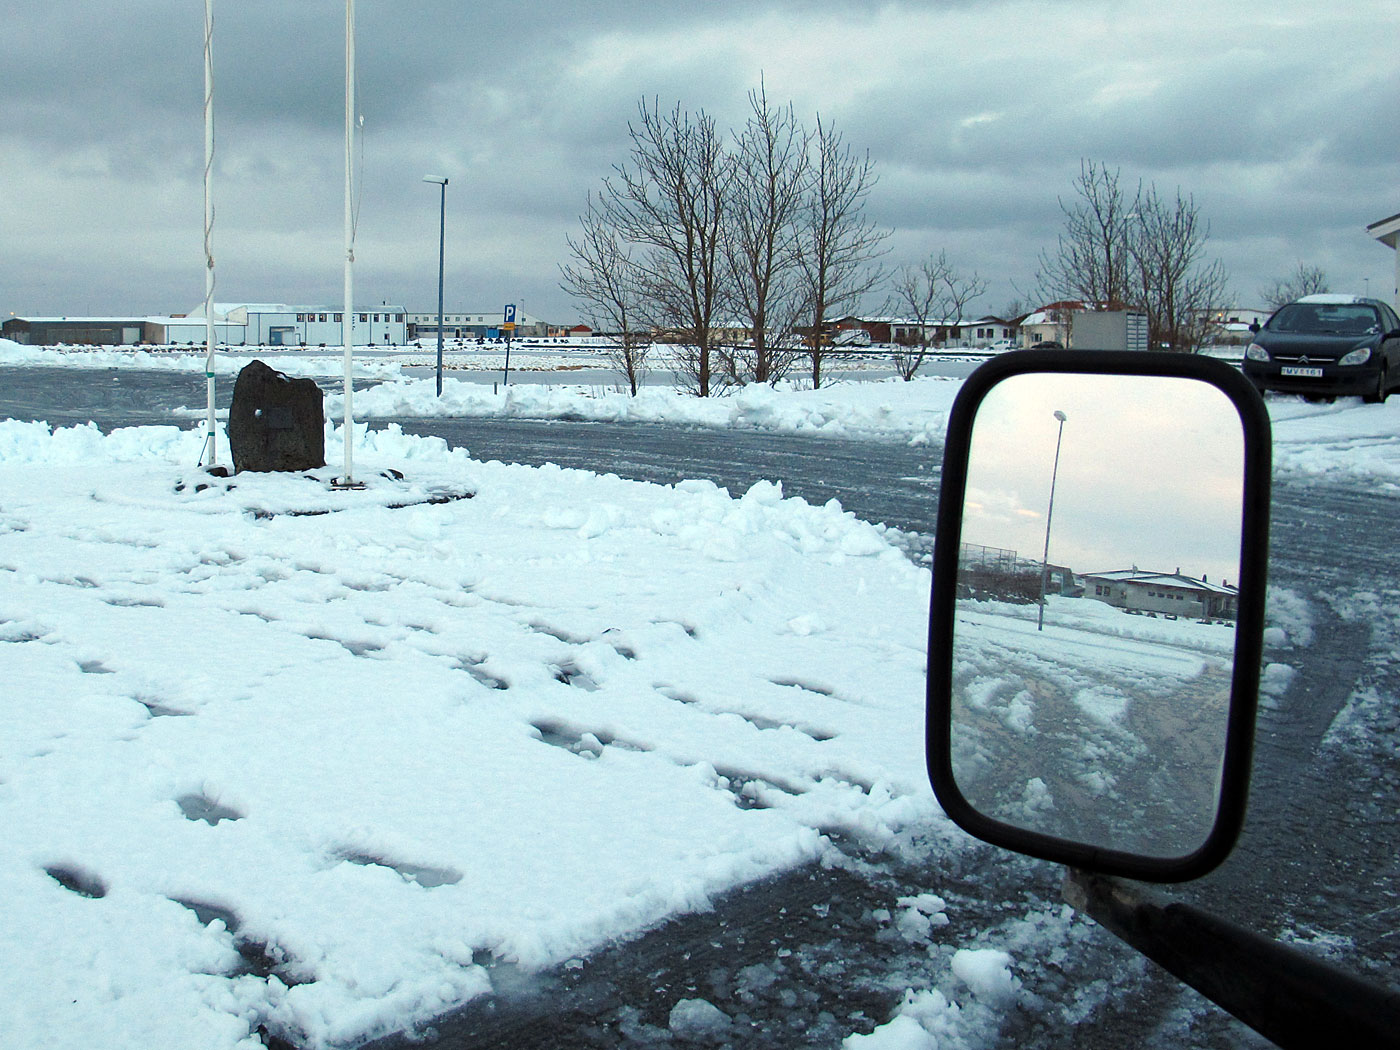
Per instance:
{"type": "Point", "coordinates": [1289, 996]}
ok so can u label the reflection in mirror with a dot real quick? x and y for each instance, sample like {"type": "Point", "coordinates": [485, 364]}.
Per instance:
{"type": "Point", "coordinates": [1094, 635]}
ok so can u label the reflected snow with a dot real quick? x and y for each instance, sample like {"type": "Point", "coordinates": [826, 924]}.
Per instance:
{"type": "Point", "coordinates": [1103, 728]}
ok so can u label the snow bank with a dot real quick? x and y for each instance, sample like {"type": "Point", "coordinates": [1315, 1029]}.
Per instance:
{"type": "Point", "coordinates": [171, 359]}
{"type": "Point", "coordinates": [1346, 440]}
{"type": "Point", "coordinates": [913, 411]}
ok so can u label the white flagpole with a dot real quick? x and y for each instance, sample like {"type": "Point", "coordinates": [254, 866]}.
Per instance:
{"type": "Point", "coordinates": [211, 440]}
{"type": "Point", "coordinates": [348, 324]}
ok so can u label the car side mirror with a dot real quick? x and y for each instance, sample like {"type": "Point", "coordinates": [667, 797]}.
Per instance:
{"type": "Point", "coordinates": [1254, 327]}
{"type": "Point", "coordinates": [1097, 612]}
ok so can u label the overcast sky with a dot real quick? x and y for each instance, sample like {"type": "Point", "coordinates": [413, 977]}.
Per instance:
{"type": "Point", "coordinates": [1281, 118]}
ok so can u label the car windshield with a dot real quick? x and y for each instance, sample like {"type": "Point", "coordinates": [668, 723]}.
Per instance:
{"type": "Point", "coordinates": [1326, 319]}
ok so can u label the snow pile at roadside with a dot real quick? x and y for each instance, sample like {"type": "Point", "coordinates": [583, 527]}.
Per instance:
{"type": "Point", "coordinates": [276, 755]}
{"type": "Point", "coordinates": [1346, 439]}
{"type": "Point", "coordinates": [915, 411]}
{"type": "Point", "coordinates": [227, 363]}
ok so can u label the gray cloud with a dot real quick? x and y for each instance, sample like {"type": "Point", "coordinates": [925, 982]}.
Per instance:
{"type": "Point", "coordinates": [1277, 117]}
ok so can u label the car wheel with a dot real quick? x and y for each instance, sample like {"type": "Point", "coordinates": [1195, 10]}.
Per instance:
{"type": "Point", "coordinates": [1382, 390]}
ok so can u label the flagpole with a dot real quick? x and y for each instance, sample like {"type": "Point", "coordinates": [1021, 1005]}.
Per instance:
{"type": "Point", "coordinates": [348, 323]}
{"type": "Point", "coordinates": [211, 439]}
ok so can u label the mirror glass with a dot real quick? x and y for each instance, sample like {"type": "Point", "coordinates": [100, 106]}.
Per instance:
{"type": "Point", "coordinates": [1094, 633]}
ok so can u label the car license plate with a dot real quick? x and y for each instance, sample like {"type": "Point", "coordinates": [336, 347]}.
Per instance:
{"type": "Point", "coordinates": [1302, 373]}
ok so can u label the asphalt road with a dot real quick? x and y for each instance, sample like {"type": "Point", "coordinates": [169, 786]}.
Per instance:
{"type": "Point", "coordinates": [1317, 864]}
{"type": "Point", "coordinates": [803, 960]}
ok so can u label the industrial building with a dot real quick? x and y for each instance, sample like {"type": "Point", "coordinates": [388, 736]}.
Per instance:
{"type": "Point", "coordinates": [474, 324]}
{"type": "Point", "coordinates": [241, 324]}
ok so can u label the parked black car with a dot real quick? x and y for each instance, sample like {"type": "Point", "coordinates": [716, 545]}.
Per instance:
{"type": "Point", "coordinates": [1327, 346]}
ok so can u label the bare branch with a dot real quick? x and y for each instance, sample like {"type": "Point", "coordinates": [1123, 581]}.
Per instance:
{"type": "Point", "coordinates": [838, 246]}
{"type": "Point", "coordinates": [1304, 280]}
{"type": "Point", "coordinates": [1178, 290]}
{"type": "Point", "coordinates": [606, 279]}
{"type": "Point", "coordinates": [671, 202]}
{"type": "Point", "coordinates": [1145, 252]}
{"type": "Point", "coordinates": [766, 292]}
{"type": "Point", "coordinates": [935, 295]}
{"type": "Point", "coordinates": [1090, 262]}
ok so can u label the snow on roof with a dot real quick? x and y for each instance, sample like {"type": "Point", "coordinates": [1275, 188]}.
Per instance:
{"type": "Point", "coordinates": [116, 319]}
{"type": "Point", "coordinates": [1331, 299]}
{"type": "Point", "coordinates": [1163, 579]}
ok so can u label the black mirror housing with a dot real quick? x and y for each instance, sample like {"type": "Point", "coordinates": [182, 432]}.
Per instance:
{"type": "Point", "coordinates": [1241, 668]}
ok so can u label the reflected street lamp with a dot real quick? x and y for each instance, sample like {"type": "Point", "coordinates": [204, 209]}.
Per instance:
{"type": "Point", "coordinates": [442, 238]}
{"type": "Point", "coordinates": [1045, 559]}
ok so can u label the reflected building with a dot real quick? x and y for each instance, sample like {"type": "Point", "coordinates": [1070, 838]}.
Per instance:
{"type": "Point", "coordinates": [1162, 593]}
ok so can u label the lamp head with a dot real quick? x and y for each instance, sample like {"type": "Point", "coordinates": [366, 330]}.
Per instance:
{"type": "Point", "coordinates": [438, 180]}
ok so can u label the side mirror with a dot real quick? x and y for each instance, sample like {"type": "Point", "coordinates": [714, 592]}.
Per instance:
{"type": "Point", "coordinates": [1254, 327]}
{"type": "Point", "coordinates": [1097, 611]}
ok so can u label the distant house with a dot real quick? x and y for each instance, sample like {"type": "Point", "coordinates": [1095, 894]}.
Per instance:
{"type": "Point", "coordinates": [900, 331]}
{"type": "Point", "coordinates": [1051, 323]}
{"type": "Point", "coordinates": [985, 331]}
{"type": "Point", "coordinates": [1170, 594]}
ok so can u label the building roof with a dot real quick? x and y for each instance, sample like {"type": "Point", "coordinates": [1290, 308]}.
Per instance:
{"type": "Point", "coordinates": [113, 319]}
{"type": "Point", "coordinates": [1387, 231]}
{"type": "Point", "coordinates": [1160, 579]}
{"type": "Point", "coordinates": [863, 319]}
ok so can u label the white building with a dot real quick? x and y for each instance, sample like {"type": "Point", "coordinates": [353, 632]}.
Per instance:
{"type": "Point", "coordinates": [1387, 231]}
{"type": "Point", "coordinates": [474, 324]}
{"type": "Point", "coordinates": [275, 324]}
{"type": "Point", "coordinates": [242, 324]}
{"type": "Point", "coordinates": [1165, 593]}
{"type": "Point", "coordinates": [985, 331]}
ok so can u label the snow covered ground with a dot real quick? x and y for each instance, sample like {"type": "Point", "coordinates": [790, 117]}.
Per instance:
{"type": "Point", "coordinates": [279, 756]}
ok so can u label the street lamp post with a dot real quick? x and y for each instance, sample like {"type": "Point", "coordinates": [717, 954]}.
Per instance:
{"type": "Point", "coordinates": [1050, 513]}
{"type": "Point", "coordinates": [442, 240]}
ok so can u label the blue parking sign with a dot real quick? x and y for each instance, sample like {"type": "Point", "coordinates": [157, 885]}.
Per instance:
{"type": "Point", "coordinates": [510, 313]}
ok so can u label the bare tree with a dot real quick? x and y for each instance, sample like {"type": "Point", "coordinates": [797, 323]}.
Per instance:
{"type": "Point", "coordinates": [1145, 252]}
{"type": "Point", "coordinates": [1014, 308]}
{"type": "Point", "coordinates": [671, 202]}
{"type": "Point", "coordinates": [770, 176]}
{"type": "Point", "coordinates": [838, 246]}
{"type": "Point", "coordinates": [932, 294]}
{"type": "Point", "coordinates": [1304, 280]}
{"type": "Point", "coordinates": [1090, 261]}
{"type": "Point", "coordinates": [605, 278]}
{"type": "Point", "coordinates": [1179, 290]}
{"type": "Point", "coordinates": [915, 295]}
